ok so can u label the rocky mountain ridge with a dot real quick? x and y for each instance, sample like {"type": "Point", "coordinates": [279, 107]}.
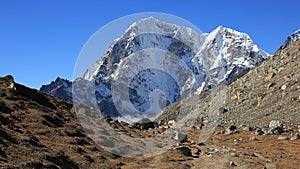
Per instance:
{"type": "Point", "coordinates": [60, 88]}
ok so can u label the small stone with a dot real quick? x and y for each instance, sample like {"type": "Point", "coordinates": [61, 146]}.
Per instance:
{"type": "Point", "coordinates": [198, 127]}
{"type": "Point", "coordinates": [246, 128]}
{"type": "Point", "coordinates": [223, 110]}
{"type": "Point", "coordinates": [266, 130]}
{"type": "Point", "coordinates": [274, 124]}
{"type": "Point", "coordinates": [231, 163]}
{"type": "Point", "coordinates": [184, 150]}
{"type": "Point", "coordinates": [197, 152]}
{"type": "Point", "coordinates": [239, 140]}
{"type": "Point", "coordinates": [219, 132]}
{"type": "Point", "coordinates": [201, 144]}
{"type": "Point", "coordinates": [144, 124]}
{"type": "Point", "coordinates": [253, 138]}
{"type": "Point", "coordinates": [282, 138]}
{"type": "Point", "coordinates": [12, 86]}
{"type": "Point", "coordinates": [233, 154]}
{"type": "Point", "coordinates": [171, 122]}
{"type": "Point", "coordinates": [283, 87]}
{"type": "Point", "coordinates": [180, 137]}
{"type": "Point", "coordinates": [256, 155]}
{"type": "Point", "coordinates": [295, 137]}
{"type": "Point", "coordinates": [258, 131]}
{"type": "Point", "coordinates": [231, 130]}
{"type": "Point", "coordinates": [270, 85]}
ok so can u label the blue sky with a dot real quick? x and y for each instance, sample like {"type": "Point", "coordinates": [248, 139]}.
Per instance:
{"type": "Point", "coordinates": [40, 40]}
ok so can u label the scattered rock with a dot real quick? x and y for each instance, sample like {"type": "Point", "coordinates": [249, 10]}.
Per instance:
{"type": "Point", "coordinates": [258, 131]}
{"type": "Point", "coordinates": [246, 128]}
{"type": "Point", "coordinates": [184, 150]}
{"type": "Point", "coordinates": [231, 130]}
{"type": "Point", "coordinates": [253, 138]}
{"type": "Point", "coordinates": [276, 127]}
{"type": "Point", "coordinates": [144, 124]}
{"type": "Point", "coordinates": [282, 138]}
{"type": "Point", "coordinates": [295, 137]}
{"type": "Point", "coordinates": [256, 155]}
{"type": "Point", "coordinates": [180, 137]}
{"type": "Point", "coordinates": [231, 163]}
{"type": "Point", "coordinates": [219, 132]}
{"type": "Point", "coordinates": [270, 85]}
{"type": "Point", "coordinates": [283, 87]}
{"type": "Point", "coordinates": [223, 110]}
{"type": "Point", "coordinates": [233, 154]}
{"type": "Point", "coordinates": [171, 122]}
{"type": "Point", "coordinates": [275, 124]}
{"type": "Point", "coordinates": [239, 140]}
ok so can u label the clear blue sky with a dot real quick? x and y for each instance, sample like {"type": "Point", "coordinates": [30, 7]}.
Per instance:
{"type": "Point", "coordinates": [41, 39]}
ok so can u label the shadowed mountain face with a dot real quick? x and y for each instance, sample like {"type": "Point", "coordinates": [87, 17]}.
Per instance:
{"type": "Point", "coordinates": [60, 88]}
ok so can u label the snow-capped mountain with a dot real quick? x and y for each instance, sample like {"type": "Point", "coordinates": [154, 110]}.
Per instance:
{"type": "Point", "coordinates": [60, 88]}
{"type": "Point", "coordinates": [226, 54]}
{"type": "Point", "coordinates": [291, 39]}
{"type": "Point", "coordinates": [128, 81]}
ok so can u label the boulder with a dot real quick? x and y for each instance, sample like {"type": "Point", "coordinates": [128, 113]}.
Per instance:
{"type": "Point", "coordinates": [274, 124]}
{"type": "Point", "coordinates": [258, 131]}
{"type": "Point", "coordinates": [180, 136]}
{"type": "Point", "coordinates": [282, 138]}
{"type": "Point", "coordinates": [295, 137]}
{"type": "Point", "coordinates": [231, 130]}
{"type": "Point", "coordinates": [144, 124]}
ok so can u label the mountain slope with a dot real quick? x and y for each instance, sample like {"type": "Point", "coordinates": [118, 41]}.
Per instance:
{"type": "Point", "coordinates": [267, 92]}
{"type": "Point", "coordinates": [39, 131]}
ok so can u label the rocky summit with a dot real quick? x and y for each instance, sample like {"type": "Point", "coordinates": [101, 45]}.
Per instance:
{"type": "Point", "coordinates": [60, 88]}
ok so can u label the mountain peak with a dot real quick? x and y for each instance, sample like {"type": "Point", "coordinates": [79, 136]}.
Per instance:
{"type": "Point", "coordinates": [291, 39]}
{"type": "Point", "coordinates": [218, 57]}
{"type": "Point", "coordinates": [150, 25]}
{"type": "Point", "coordinates": [60, 88]}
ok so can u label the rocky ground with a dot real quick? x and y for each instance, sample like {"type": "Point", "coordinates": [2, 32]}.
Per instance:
{"type": "Point", "coordinates": [257, 126]}
{"type": "Point", "coordinates": [270, 91]}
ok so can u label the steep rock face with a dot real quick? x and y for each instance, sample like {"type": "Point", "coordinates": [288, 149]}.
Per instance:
{"type": "Point", "coordinates": [211, 59]}
{"type": "Point", "coordinates": [60, 88]}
